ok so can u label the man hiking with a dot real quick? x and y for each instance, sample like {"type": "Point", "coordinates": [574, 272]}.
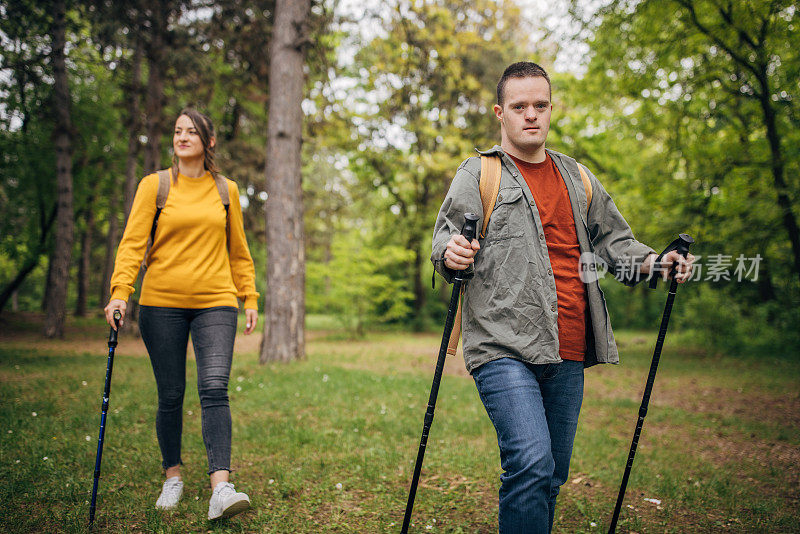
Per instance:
{"type": "Point", "coordinates": [531, 323]}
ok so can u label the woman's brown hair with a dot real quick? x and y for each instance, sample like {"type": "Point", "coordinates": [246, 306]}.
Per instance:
{"type": "Point", "coordinates": [205, 129]}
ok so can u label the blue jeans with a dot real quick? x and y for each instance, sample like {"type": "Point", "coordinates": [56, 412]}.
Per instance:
{"type": "Point", "coordinates": [534, 409]}
{"type": "Point", "coordinates": [165, 332]}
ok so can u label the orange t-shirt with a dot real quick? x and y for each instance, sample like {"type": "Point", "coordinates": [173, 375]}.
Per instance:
{"type": "Point", "coordinates": [552, 200]}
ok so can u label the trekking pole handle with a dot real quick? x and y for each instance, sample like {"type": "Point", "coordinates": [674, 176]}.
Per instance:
{"type": "Point", "coordinates": [470, 228]}
{"type": "Point", "coordinates": [469, 231]}
{"type": "Point", "coordinates": [682, 245]}
{"type": "Point", "coordinates": [112, 334]}
{"type": "Point", "coordinates": [684, 242]}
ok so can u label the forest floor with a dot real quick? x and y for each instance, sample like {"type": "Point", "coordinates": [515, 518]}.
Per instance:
{"type": "Point", "coordinates": [328, 444]}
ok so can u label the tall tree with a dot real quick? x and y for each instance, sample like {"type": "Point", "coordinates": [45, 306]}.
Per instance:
{"type": "Point", "coordinates": [284, 312]}
{"type": "Point", "coordinates": [62, 254]}
{"type": "Point", "coordinates": [134, 96]}
{"type": "Point", "coordinates": [433, 75]}
{"type": "Point", "coordinates": [85, 258]}
{"type": "Point", "coordinates": [755, 41]}
{"type": "Point", "coordinates": [158, 14]}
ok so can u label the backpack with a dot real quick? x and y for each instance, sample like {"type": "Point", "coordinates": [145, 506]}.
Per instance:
{"type": "Point", "coordinates": [164, 182]}
{"type": "Point", "coordinates": [489, 183]}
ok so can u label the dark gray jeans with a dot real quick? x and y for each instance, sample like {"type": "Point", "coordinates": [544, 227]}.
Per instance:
{"type": "Point", "coordinates": [165, 332]}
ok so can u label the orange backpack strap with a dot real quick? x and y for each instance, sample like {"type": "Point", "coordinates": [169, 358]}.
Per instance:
{"type": "Point", "coordinates": [587, 186]}
{"type": "Point", "coordinates": [455, 335]}
{"type": "Point", "coordinates": [491, 167]}
{"type": "Point", "coordinates": [489, 186]}
{"type": "Point", "coordinates": [225, 197]}
{"type": "Point", "coordinates": [164, 176]}
{"type": "Point", "coordinates": [224, 193]}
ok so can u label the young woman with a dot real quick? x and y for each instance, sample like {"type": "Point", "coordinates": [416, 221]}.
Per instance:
{"type": "Point", "coordinates": [197, 265]}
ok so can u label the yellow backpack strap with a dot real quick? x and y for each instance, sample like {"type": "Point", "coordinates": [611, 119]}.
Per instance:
{"type": "Point", "coordinates": [491, 167]}
{"type": "Point", "coordinates": [587, 186]}
{"type": "Point", "coordinates": [489, 186]}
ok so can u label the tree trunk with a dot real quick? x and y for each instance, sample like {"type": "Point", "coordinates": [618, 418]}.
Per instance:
{"type": "Point", "coordinates": [56, 305]}
{"type": "Point", "coordinates": [154, 105]}
{"type": "Point", "coordinates": [134, 93]}
{"type": "Point", "coordinates": [154, 112]}
{"type": "Point", "coordinates": [46, 294]}
{"type": "Point", "coordinates": [111, 245]}
{"type": "Point", "coordinates": [284, 313]}
{"type": "Point", "coordinates": [134, 127]}
{"type": "Point", "coordinates": [778, 170]}
{"type": "Point", "coordinates": [85, 265]}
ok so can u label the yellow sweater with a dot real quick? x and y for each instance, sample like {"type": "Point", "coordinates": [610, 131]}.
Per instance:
{"type": "Point", "coordinates": [188, 265]}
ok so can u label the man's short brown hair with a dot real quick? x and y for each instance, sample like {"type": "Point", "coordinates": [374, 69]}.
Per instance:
{"type": "Point", "coordinates": [520, 69]}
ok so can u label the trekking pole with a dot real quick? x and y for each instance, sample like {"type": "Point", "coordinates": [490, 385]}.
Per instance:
{"type": "Point", "coordinates": [469, 230]}
{"type": "Point", "coordinates": [682, 246]}
{"type": "Point", "coordinates": [112, 344]}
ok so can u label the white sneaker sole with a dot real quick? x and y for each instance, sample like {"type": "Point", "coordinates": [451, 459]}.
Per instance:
{"type": "Point", "coordinates": [233, 509]}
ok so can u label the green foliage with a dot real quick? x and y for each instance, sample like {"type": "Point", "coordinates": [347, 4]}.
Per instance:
{"type": "Point", "coordinates": [27, 170]}
{"type": "Point", "coordinates": [718, 320]}
{"type": "Point", "coordinates": [361, 284]}
{"type": "Point", "coordinates": [427, 82]}
{"type": "Point", "coordinates": [685, 113]}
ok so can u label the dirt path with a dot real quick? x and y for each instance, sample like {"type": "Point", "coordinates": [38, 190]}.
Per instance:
{"type": "Point", "coordinates": [24, 329]}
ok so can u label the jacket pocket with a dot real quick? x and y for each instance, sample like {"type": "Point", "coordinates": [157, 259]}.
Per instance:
{"type": "Point", "coordinates": [506, 220]}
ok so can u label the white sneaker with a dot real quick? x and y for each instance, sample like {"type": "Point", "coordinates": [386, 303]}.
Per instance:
{"type": "Point", "coordinates": [226, 501]}
{"type": "Point", "coordinates": [170, 494]}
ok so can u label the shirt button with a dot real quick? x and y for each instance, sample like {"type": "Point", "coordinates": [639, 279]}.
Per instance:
{"type": "Point", "coordinates": [549, 271]}
{"type": "Point", "coordinates": [499, 198]}
{"type": "Point", "coordinates": [541, 236]}
{"type": "Point", "coordinates": [532, 203]}
{"type": "Point", "coordinates": [553, 307]}
{"type": "Point", "coordinates": [514, 174]}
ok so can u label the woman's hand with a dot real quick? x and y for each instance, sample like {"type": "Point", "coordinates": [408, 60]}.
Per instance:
{"type": "Point", "coordinates": [113, 305]}
{"type": "Point", "coordinates": [252, 318]}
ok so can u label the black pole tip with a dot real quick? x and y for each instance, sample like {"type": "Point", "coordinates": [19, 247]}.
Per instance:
{"type": "Point", "coordinates": [471, 217]}
{"type": "Point", "coordinates": [686, 238]}
{"type": "Point", "coordinates": [117, 315]}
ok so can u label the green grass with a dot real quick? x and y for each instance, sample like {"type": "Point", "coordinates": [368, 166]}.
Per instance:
{"type": "Point", "coordinates": [351, 414]}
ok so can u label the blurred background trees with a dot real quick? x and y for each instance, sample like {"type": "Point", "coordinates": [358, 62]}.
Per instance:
{"type": "Point", "coordinates": [685, 109]}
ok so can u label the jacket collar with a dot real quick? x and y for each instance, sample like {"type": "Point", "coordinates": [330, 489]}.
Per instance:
{"type": "Point", "coordinates": [498, 150]}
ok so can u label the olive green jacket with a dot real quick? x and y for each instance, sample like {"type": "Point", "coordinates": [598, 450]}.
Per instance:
{"type": "Point", "coordinates": [510, 307]}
